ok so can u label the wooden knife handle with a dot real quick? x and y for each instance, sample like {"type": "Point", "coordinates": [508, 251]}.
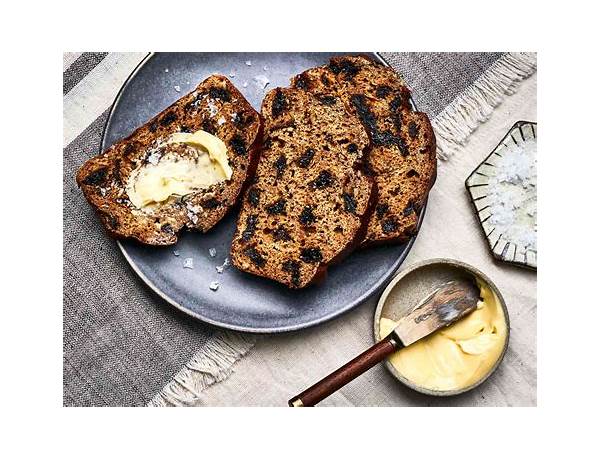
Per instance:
{"type": "Point", "coordinates": [346, 373]}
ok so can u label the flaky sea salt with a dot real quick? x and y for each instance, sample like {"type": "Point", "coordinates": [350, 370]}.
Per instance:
{"type": "Point", "coordinates": [167, 70]}
{"type": "Point", "coordinates": [177, 88]}
{"type": "Point", "coordinates": [512, 193]}
{"type": "Point", "coordinates": [220, 268]}
{"type": "Point", "coordinates": [261, 81]}
{"type": "Point", "coordinates": [214, 285]}
{"type": "Point", "coordinates": [193, 217]}
{"type": "Point", "coordinates": [232, 74]}
{"type": "Point", "coordinates": [154, 157]}
{"type": "Point", "coordinates": [188, 263]}
{"type": "Point", "coordinates": [248, 63]}
{"type": "Point", "coordinates": [212, 252]}
{"type": "Point", "coordinates": [245, 84]}
{"type": "Point", "coordinates": [265, 68]}
{"type": "Point", "coordinates": [221, 121]}
{"type": "Point", "coordinates": [176, 253]}
{"type": "Point", "coordinates": [212, 108]}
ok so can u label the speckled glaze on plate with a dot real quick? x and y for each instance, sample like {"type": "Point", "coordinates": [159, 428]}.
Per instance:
{"type": "Point", "coordinates": [412, 285]}
{"type": "Point", "coordinates": [242, 302]}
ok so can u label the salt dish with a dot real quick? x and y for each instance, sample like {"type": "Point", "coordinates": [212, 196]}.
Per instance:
{"type": "Point", "coordinates": [503, 191]}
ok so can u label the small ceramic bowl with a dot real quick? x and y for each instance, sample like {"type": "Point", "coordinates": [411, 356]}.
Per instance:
{"type": "Point", "coordinates": [413, 284]}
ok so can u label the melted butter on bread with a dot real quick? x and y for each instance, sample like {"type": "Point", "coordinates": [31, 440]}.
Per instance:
{"type": "Point", "coordinates": [175, 175]}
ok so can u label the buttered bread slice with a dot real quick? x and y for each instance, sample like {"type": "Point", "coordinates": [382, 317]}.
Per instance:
{"type": "Point", "coordinates": [185, 168]}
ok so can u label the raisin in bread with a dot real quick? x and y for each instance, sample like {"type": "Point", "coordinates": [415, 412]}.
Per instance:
{"type": "Point", "coordinates": [108, 180]}
{"type": "Point", "coordinates": [401, 158]}
{"type": "Point", "coordinates": [308, 204]}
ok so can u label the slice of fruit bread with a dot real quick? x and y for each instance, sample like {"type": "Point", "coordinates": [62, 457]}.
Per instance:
{"type": "Point", "coordinates": [309, 202]}
{"type": "Point", "coordinates": [401, 156]}
{"type": "Point", "coordinates": [185, 168]}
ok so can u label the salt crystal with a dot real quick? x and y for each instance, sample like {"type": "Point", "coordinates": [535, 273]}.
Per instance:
{"type": "Point", "coordinates": [232, 74]}
{"type": "Point", "coordinates": [265, 68]}
{"type": "Point", "coordinates": [176, 253]}
{"type": "Point", "coordinates": [245, 85]}
{"type": "Point", "coordinates": [177, 88]}
{"type": "Point", "coordinates": [221, 121]}
{"type": "Point", "coordinates": [102, 191]}
{"type": "Point", "coordinates": [212, 109]}
{"type": "Point", "coordinates": [220, 268]}
{"type": "Point", "coordinates": [262, 81]}
{"type": "Point", "coordinates": [248, 62]}
{"type": "Point", "coordinates": [154, 157]}
{"type": "Point", "coordinates": [188, 263]}
{"type": "Point", "coordinates": [193, 217]}
{"type": "Point", "coordinates": [167, 70]}
{"type": "Point", "coordinates": [212, 252]}
{"type": "Point", "coordinates": [214, 286]}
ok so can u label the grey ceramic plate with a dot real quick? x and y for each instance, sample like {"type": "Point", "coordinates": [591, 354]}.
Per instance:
{"type": "Point", "coordinates": [505, 246]}
{"type": "Point", "coordinates": [243, 302]}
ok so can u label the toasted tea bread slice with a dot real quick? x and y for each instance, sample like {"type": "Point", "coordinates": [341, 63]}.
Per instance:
{"type": "Point", "coordinates": [308, 203]}
{"type": "Point", "coordinates": [401, 156]}
{"type": "Point", "coordinates": [108, 180]}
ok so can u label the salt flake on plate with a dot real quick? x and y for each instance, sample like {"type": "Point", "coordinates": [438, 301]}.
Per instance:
{"type": "Point", "coordinates": [220, 268]}
{"type": "Point", "coordinates": [188, 263]}
{"type": "Point", "coordinates": [262, 81]}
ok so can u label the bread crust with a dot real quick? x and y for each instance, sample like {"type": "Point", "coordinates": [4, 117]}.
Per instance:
{"type": "Point", "coordinates": [215, 106]}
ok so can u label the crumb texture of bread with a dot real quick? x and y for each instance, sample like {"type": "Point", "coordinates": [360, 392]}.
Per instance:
{"type": "Point", "coordinates": [401, 156]}
{"type": "Point", "coordinates": [309, 201]}
{"type": "Point", "coordinates": [215, 106]}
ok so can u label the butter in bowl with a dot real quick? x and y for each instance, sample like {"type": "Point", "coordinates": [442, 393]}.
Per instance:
{"type": "Point", "coordinates": [458, 357]}
{"type": "Point", "coordinates": [441, 325]}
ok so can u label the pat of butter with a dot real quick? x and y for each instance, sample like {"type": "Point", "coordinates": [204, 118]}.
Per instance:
{"type": "Point", "coordinates": [215, 147]}
{"type": "Point", "coordinates": [459, 355]}
{"type": "Point", "coordinates": [174, 175]}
